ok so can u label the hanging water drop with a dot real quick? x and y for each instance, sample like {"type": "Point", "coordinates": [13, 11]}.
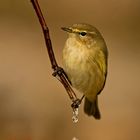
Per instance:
{"type": "Point", "coordinates": [74, 138]}
{"type": "Point", "coordinates": [75, 115]}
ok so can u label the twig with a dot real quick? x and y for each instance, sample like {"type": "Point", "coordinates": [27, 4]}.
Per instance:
{"type": "Point", "coordinates": [57, 70]}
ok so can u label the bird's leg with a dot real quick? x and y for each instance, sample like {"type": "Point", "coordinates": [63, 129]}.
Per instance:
{"type": "Point", "coordinates": [82, 98]}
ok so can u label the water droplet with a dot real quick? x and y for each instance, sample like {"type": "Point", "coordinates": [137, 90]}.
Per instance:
{"type": "Point", "coordinates": [75, 115]}
{"type": "Point", "coordinates": [74, 138]}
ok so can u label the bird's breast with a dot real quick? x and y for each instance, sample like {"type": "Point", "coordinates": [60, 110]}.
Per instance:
{"type": "Point", "coordinates": [75, 56]}
{"type": "Point", "coordinates": [82, 73]}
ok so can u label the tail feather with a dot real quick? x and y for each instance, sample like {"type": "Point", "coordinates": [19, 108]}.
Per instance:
{"type": "Point", "coordinates": [91, 108]}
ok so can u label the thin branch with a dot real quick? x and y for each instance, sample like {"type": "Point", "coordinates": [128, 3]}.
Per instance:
{"type": "Point", "coordinates": [58, 72]}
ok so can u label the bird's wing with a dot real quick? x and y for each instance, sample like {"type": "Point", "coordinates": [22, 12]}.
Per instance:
{"type": "Point", "coordinates": [100, 59]}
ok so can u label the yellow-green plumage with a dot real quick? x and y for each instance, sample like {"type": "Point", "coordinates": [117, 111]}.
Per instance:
{"type": "Point", "coordinates": [85, 63]}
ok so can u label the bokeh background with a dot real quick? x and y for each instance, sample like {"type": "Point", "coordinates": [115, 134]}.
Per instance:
{"type": "Point", "coordinates": [34, 105]}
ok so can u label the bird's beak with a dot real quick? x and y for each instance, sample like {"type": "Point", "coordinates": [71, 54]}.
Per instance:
{"type": "Point", "coordinates": [69, 30]}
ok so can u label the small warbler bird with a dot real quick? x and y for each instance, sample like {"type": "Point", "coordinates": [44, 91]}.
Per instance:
{"type": "Point", "coordinates": [85, 57]}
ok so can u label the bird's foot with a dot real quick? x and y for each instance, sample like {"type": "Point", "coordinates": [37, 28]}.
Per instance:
{"type": "Point", "coordinates": [58, 71]}
{"type": "Point", "coordinates": [76, 103]}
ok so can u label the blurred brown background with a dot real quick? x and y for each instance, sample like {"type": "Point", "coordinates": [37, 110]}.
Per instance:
{"type": "Point", "coordinates": [34, 105]}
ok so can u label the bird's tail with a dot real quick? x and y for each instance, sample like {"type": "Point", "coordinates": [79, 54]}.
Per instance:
{"type": "Point", "coordinates": [91, 108]}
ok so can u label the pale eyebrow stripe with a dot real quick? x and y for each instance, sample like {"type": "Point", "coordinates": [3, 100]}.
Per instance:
{"type": "Point", "coordinates": [92, 32]}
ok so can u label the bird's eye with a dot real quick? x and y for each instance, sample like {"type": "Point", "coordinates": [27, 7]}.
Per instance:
{"type": "Point", "coordinates": [83, 33]}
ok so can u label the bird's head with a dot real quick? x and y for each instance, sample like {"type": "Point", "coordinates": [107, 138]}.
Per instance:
{"type": "Point", "coordinates": [84, 33]}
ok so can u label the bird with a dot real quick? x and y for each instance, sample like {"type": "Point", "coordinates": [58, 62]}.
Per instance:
{"type": "Point", "coordinates": [85, 58]}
